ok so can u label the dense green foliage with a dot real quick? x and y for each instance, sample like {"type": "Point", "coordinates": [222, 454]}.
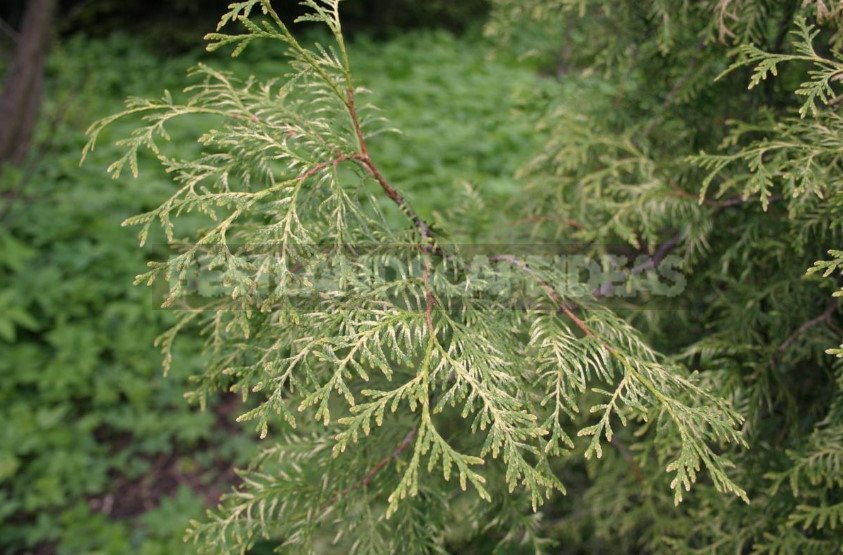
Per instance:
{"type": "Point", "coordinates": [719, 136]}
{"type": "Point", "coordinates": [102, 454]}
{"type": "Point", "coordinates": [411, 372]}
{"type": "Point", "coordinates": [405, 322]}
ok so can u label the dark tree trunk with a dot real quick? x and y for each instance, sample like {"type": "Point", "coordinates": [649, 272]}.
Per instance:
{"type": "Point", "coordinates": [22, 90]}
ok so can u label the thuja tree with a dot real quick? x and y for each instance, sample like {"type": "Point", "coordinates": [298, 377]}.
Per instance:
{"type": "Point", "coordinates": [418, 394]}
{"type": "Point", "coordinates": [718, 137]}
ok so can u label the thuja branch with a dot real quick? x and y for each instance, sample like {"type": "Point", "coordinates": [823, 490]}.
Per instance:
{"type": "Point", "coordinates": [423, 229]}
{"type": "Point", "coordinates": [474, 362]}
{"type": "Point", "coordinates": [365, 160]}
{"type": "Point", "coordinates": [658, 382]}
{"type": "Point", "coordinates": [576, 320]}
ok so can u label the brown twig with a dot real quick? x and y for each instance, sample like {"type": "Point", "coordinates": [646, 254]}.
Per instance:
{"type": "Point", "coordinates": [366, 160]}
{"type": "Point", "coordinates": [653, 262]}
{"type": "Point", "coordinates": [322, 165]}
{"type": "Point", "coordinates": [427, 248]}
{"type": "Point", "coordinates": [825, 317]}
{"type": "Point", "coordinates": [370, 475]}
{"type": "Point", "coordinates": [629, 459]}
{"type": "Point", "coordinates": [422, 227]}
{"type": "Point", "coordinates": [801, 330]}
{"type": "Point", "coordinates": [728, 203]}
{"type": "Point", "coordinates": [405, 443]}
{"type": "Point", "coordinates": [550, 291]}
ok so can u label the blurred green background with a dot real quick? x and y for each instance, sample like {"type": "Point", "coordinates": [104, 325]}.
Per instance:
{"type": "Point", "coordinates": [99, 452]}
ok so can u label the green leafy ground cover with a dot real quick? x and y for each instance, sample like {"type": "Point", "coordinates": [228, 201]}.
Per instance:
{"type": "Point", "coordinates": [99, 453]}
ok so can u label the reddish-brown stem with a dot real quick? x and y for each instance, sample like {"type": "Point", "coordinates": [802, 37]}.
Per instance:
{"type": "Point", "coordinates": [427, 248]}
{"type": "Point", "coordinates": [551, 293]}
{"type": "Point", "coordinates": [628, 459]}
{"type": "Point", "coordinates": [370, 475]}
{"type": "Point", "coordinates": [355, 121]}
{"type": "Point", "coordinates": [405, 443]}
{"type": "Point", "coordinates": [366, 161]}
{"type": "Point", "coordinates": [579, 323]}
{"type": "Point", "coordinates": [421, 226]}
{"type": "Point", "coordinates": [825, 317]}
{"type": "Point", "coordinates": [322, 165]}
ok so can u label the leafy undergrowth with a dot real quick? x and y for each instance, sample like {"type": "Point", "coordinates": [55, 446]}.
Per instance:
{"type": "Point", "coordinates": [99, 452]}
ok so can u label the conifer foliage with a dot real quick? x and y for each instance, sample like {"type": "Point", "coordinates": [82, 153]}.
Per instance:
{"type": "Point", "coordinates": [718, 138]}
{"type": "Point", "coordinates": [416, 395]}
